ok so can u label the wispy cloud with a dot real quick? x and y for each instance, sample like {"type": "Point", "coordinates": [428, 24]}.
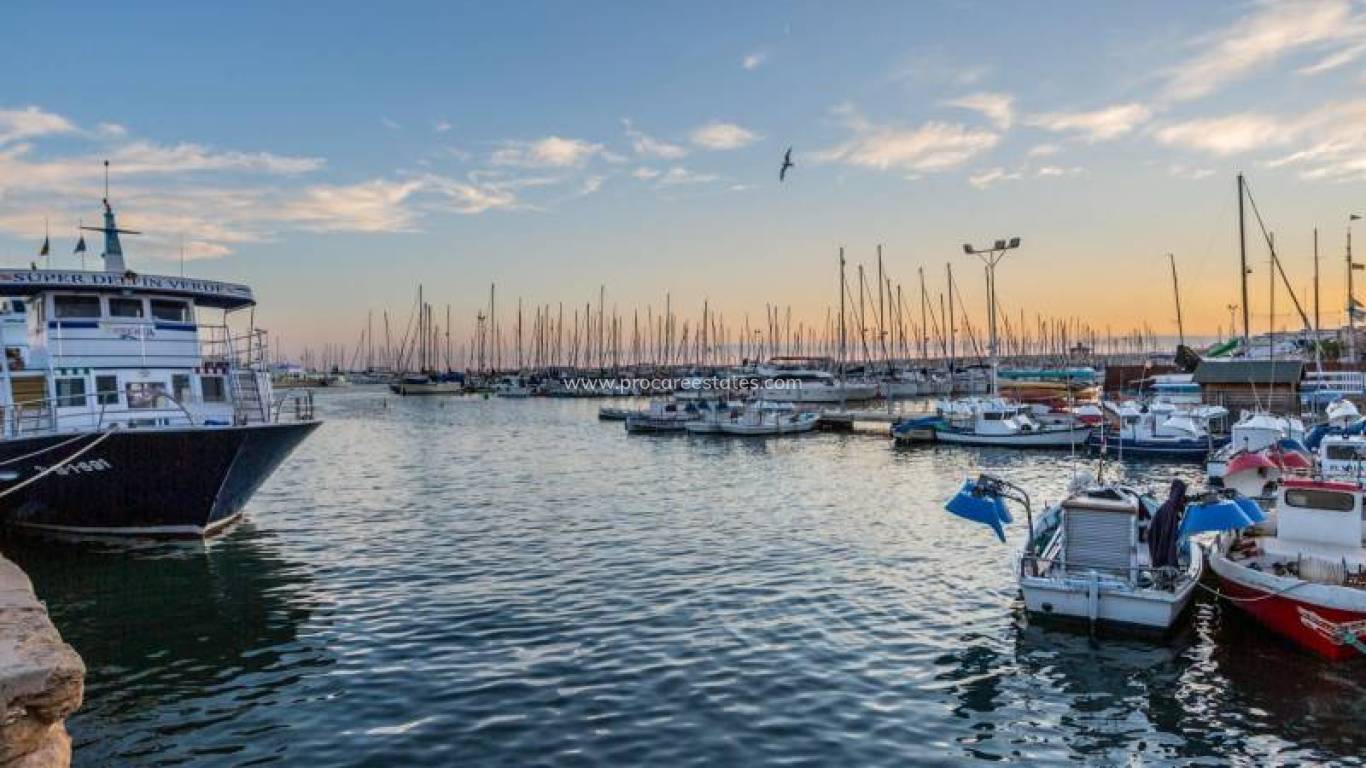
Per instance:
{"type": "Point", "coordinates": [550, 152]}
{"type": "Point", "coordinates": [1326, 143]}
{"type": "Point", "coordinates": [1095, 125]}
{"type": "Point", "coordinates": [30, 122]}
{"type": "Point", "coordinates": [754, 60]}
{"type": "Point", "coordinates": [722, 135]}
{"type": "Point", "coordinates": [648, 146]}
{"type": "Point", "coordinates": [1043, 150]}
{"type": "Point", "coordinates": [215, 199]}
{"type": "Point", "coordinates": [390, 123]}
{"type": "Point", "coordinates": [997, 107]}
{"type": "Point", "coordinates": [996, 175]}
{"type": "Point", "coordinates": [1272, 31]}
{"type": "Point", "coordinates": [929, 147]}
{"type": "Point", "coordinates": [442, 126]}
{"type": "Point", "coordinates": [1183, 171]}
{"type": "Point", "coordinates": [372, 206]}
{"type": "Point", "coordinates": [680, 175]}
{"type": "Point", "coordinates": [644, 173]}
{"type": "Point", "coordinates": [1228, 135]}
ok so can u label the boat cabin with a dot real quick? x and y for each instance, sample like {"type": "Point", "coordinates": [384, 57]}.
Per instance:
{"type": "Point", "coordinates": [1318, 518]}
{"type": "Point", "coordinates": [113, 347]}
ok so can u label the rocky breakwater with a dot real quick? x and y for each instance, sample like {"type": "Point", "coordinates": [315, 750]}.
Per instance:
{"type": "Point", "coordinates": [41, 678]}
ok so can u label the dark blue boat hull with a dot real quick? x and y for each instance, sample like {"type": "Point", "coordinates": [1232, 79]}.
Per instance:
{"type": "Point", "coordinates": [154, 482]}
{"type": "Point", "coordinates": [1195, 450]}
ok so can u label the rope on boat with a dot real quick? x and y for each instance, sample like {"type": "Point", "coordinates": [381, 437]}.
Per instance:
{"type": "Point", "coordinates": [59, 465]}
{"type": "Point", "coordinates": [41, 451]}
{"type": "Point", "coordinates": [1259, 598]}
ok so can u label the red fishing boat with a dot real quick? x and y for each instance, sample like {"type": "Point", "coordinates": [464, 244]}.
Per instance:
{"type": "Point", "coordinates": [1302, 572]}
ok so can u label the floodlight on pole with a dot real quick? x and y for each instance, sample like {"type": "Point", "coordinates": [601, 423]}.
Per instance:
{"type": "Point", "coordinates": [991, 257]}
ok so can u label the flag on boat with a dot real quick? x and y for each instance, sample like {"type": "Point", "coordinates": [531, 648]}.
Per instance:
{"type": "Point", "coordinates": [80, 245]}
{"type": "Point", "coordinates": [1355, 307]}
{"type": "Point", "coordinates": [47, 246]}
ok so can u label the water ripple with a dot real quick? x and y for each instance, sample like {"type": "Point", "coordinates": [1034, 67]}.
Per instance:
{"type": "Point", "coordinates": [483, 582]}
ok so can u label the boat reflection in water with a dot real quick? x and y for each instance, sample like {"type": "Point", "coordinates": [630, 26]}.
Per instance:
{"type": "Point", "coordinates": [177, 638]}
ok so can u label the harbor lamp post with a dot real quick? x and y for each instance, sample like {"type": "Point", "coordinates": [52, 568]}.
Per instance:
{"type": "Point", "coordinates": [992, 256]}
{"type": "Point", "coordinates": [1351, 298]}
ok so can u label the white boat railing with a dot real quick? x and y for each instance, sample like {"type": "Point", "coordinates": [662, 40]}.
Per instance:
{"type": "Point", "coordinates": [41, 416]}
{"type": "Point", "coordinates": [1043, 566]}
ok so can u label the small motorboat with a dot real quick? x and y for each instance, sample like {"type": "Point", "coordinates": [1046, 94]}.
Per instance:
{"type": "Point", "coordinates": [1159, 429]}
{"type": "Point", "coordinates": [662, 416]}
{"type": "Point", "coordinates": [1106, 555]}
{"type": "Point", "coordinates": [1253, 432]}
{"type": "Point", "coordinates": [711, 414]}
{"type": "Point", "coordinates": [614, 413]}
{"type": "Point", "coordinates": [512, 386]}
{"type": "Point", "coordinates": [993, 421]}
{"type": "Point", "coordinates": [1302, 574]}
{"type": "Point", "coordinates": [758, 420]}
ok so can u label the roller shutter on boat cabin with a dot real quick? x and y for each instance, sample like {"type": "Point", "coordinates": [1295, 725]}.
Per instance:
{"type": "Point", "coordinates": [1099, 534]}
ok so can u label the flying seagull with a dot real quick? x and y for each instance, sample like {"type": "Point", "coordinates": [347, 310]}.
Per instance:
{"type": "Point", "coordinates": [787, 163]}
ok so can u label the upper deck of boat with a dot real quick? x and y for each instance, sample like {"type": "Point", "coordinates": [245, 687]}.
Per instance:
{"type": "Point", "coordinates": [204, 293]}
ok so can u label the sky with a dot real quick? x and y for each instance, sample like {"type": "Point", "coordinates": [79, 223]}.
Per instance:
{"type": "Point", "coordinates": [335, 155]}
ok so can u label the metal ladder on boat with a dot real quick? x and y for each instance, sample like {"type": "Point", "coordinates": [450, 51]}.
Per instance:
{"type": "Point", "coordinates": [248, 406]}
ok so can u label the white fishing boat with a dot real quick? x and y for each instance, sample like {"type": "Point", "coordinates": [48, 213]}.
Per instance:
{"type": "Point", "coordinates": [1160, 428]}
{"type": "Point", "coordinates": [711, 414]}
{"type": "Point", "coordinates": [808, 380]}
{"type": "Point", "coordinates": [512, 386]}
{"type": "Point", "coordinates": [1254, 431]}
{"type": "Point", "coordinates": [428, 384]}
{"type": "Point", "coordinates": [1092, 558]}
{"type": "Point", "coordinates": [755, 420]}
{"type": "Point", "coordinates": [1301, 574]}
{"type": "Point", "coordinates": [662, 416]}
{"type": "Point", "coordinates": [993, 421]}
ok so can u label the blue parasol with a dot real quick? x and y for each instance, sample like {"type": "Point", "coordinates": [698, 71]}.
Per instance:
{"type": "Point", "coordinates": [1216, 515]}
{"type": "Point", "coordinates": [980, 506]}
{"type": "Point", "coordinates": [1252, 509]}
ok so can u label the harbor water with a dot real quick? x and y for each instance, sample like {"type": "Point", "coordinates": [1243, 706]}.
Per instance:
{"type": "Point", "coordinates": [466, 581]}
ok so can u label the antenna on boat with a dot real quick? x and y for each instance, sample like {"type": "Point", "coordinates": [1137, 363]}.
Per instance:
{"type": "Point", "coordinates": [113, 250]}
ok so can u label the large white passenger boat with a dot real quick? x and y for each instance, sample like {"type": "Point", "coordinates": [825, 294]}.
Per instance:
{"type": "Point", "coordinates": [131, 408]}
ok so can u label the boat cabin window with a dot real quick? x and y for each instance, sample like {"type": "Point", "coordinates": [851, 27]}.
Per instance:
{"type": "Point", "coordinates": [213, 389]}
{"type": "Point", "coordinates": [995, 416]}
{"type": "Point", "coordinates": [1348, 452]}
{"type": "Point", "coordinates": [1310, 499]}
{"type": "Point", "coordinates": [180, 385]}
{"type": "Point", "coordinates": [173, 311]}
{"type": "Point", "coordinates": [145, 394]}
{"type": "Point", "coordinates": [121, 307]}
{"type": "Point", "coordinates": [107, 389]}
{"type": "Point", "coordinates": [76, 306]}
{"type": "Point", "coordinates": [16, 305]}
{"type": "Point", "coordinates": [70, 391]}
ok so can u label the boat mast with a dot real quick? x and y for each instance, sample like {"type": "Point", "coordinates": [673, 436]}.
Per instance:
{"type": "Point", "coordinates": [1176, 290]}
{"type": "Point", "coordinates": [1316, 287]}
{"type": "Point", "coordinates": [842, 338]}
{"type": "Point", "coordinates": [1351, 299]}
{"type": "Point", "coordinates": [924, 320]}
{"type": "Point", "coordinates": [1242, 261]}
{"type": "Point", "coordinates": [953, 330]}
{"type": "Point", "coordinates": [881, 309]}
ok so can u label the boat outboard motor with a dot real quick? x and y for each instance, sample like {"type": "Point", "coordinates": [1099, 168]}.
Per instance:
{"type": "Point", "coordinates": [1163, 532]}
